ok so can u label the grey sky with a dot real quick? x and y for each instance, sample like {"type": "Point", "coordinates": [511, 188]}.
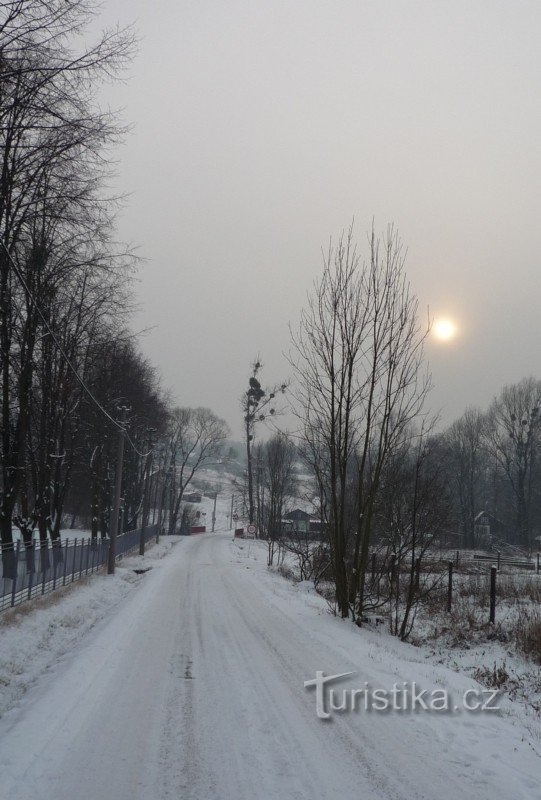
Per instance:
{"type": "Point", "coordinates": [261, 128]}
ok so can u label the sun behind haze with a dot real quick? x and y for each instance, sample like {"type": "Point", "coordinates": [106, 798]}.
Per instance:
{"type": "Point", "coordinates": [444, 330]}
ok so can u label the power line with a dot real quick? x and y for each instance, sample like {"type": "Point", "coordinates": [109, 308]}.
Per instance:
{"type": "Point", "coordinates": [80, 380]}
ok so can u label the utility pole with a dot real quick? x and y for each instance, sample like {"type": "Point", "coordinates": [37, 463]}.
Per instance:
{"type": "Point", "coordinates": [214, 511]}
{"type": "Point", "coordinates": [162, 495]}
{"type": "Point", "coordinates": [163, 498]}
{"type": "Point", "coordinates": [148, 469]}
{"type": "Point", "coordinates": [118, 489]}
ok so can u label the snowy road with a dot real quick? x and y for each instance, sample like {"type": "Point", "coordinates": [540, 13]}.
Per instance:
{"type": "Point", "coordinates": [194, 690]}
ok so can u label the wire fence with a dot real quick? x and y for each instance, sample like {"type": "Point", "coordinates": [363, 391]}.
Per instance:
{"type": "Point", "coordinates": [32, 570]}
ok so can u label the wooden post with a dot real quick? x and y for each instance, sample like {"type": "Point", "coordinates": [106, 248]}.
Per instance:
{"type": "Point", "coordinates": [538, 564]}
{"type": "Point", "coordinates": [493, 572]}
{"type": "Point", "coordinates": [457, 557]}
{"type": "Point", "coordinates": [450, 587]}
{"type": "Point", "coordinates": [499, 560]}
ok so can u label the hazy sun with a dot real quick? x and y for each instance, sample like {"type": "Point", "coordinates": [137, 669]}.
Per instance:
{"type": "Point", "coordinates": [444, 330]}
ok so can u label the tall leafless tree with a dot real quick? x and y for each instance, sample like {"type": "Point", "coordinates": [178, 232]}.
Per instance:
{"type": "Point", "coordinates": [359, 361]}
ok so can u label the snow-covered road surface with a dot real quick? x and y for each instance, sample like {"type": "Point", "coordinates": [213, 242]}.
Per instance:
{"type": "Point", "coordinates": [193, 689]}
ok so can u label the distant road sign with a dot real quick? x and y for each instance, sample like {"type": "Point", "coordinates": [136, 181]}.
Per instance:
{"type": "Point", "coordinates": [251, 529]}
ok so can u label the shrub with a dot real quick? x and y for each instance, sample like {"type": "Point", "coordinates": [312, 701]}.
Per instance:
{"type": "Point", "coordinates": [529, 637]}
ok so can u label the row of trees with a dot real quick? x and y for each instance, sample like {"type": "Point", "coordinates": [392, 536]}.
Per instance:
{"type": "Point", "coordinates": [67, 358]}
{"type": "Point", "coordinates": [62, 278]}
{"type": "Point", "coordinates": [492, 463]}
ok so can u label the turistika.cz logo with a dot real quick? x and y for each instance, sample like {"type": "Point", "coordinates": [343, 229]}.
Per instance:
{"type": "Point", "coordinates": [402, 697]}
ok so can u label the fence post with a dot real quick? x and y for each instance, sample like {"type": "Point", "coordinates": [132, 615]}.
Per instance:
{"type": "Point", "coordinates": [499, 560]}
{"type": "Point", "coordinates": [82, 556]}
{"type": "Point", "coordinates": [450, 587]}
{"type": "Point", "coordinates": [493, 571]}
{"type": "Point", "coordinates": [31, 575]}
{"type": "Point", "coordinates": [457, 557]}
{"type": "Point", "coordinates": [65, 562]}
{"type": "Point", "coordinates": [74, 554]}
{"type": "Point", "coordinates": [538, 564]}
{"type": "Point", "coordinates": [114, 527]}
{"type": "Point", "coordinates": [15, 572]}
{"type": "Point", "coordinates": [88, 555]}
{"type": "Point", "coordinates": [54, 568]}
{"type": "Point", "coordinates": [43, 571]}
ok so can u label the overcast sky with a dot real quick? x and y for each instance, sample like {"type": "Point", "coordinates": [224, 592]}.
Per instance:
{"type": "Point", "coordinates": [262, 128]}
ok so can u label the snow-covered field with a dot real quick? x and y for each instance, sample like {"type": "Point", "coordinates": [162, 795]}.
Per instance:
{"type": "Point", "coordinates": [188, 682]}
{"type": "Point", "coordinates": [65, 533]}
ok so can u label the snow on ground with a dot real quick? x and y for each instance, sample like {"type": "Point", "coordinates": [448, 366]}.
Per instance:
{"type": "Point", "coordinates": [475, 657]}
{"type": "Point", "coordinates": [36, 636]}
{"type": "Point", "coordinates": [65, 533]}
{"type": "Point", "coordinates": [194, 688]}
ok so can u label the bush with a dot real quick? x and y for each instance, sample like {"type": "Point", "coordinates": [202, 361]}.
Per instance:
{"type": "Point", "coordinates": [529, 637]}
{"type": "Point", "coordinates": [287, 573]}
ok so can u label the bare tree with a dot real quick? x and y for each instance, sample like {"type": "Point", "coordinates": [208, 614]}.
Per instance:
{"type": "Point", "coordinates": [196, 439]}
{"type": "Point", "coordinates": [279, 456]}
{"type": "Point", "coordinates": [412, 511]}
{"type": "Point", "coordinates": [358, 358]}
{"type": "Point", "coordinates": [327, 350]}
{"type": "Point", "coordinates": [511, 436]}
{"type": "Point", "coordinates": [466, 462]}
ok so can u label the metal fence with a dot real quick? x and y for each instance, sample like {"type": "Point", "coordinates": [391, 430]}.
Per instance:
{"type": "Point", "coordinates": [32, 570]}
